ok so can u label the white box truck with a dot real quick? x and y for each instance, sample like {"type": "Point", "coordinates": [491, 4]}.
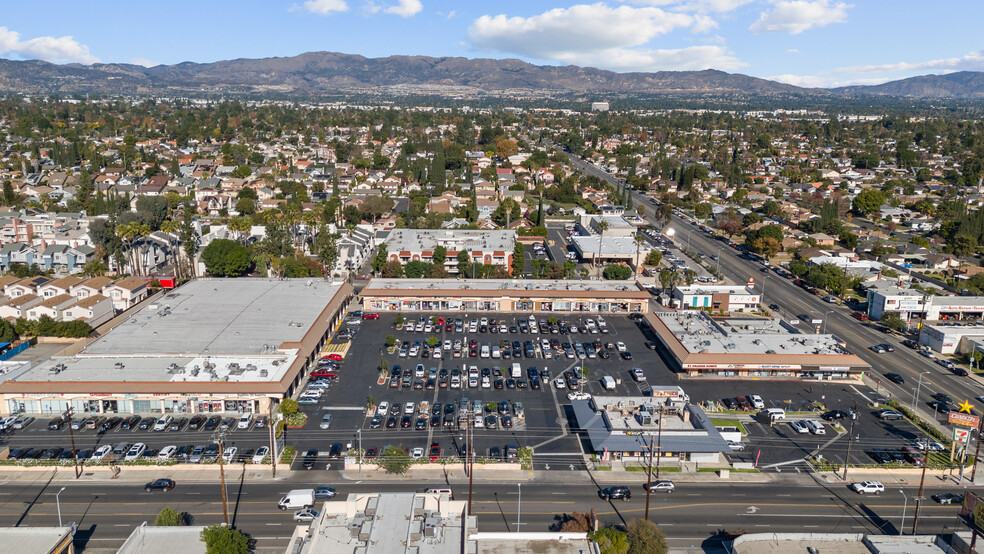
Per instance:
{"type": "Point", "coordinates": [517, 370]}
{"type": "Point", "coordinates": [297, 499]}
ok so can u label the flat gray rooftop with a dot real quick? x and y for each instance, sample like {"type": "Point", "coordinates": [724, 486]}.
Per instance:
{"type": "Point", "coordinates": [213, 317]}
{"type": "Point", "coordinates": [418, 240]}
{"type": "Point", "coordinates": [32, 540]}
{"type": "Point", "coordinates": [700, 333]}
{"type": "Point", "coordinates": [611, 245]}
{"type": "Point", "coordinates": [486, 285]}
{"type": "Point", "coordinates": [147, 539]}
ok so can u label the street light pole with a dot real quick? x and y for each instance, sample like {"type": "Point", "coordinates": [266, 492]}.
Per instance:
{"type": "Point", "coordinates": [58, 504]}
{"type": "Point", "coordinates": [825, 314]}
{"type": "Point", "coordinates": [915, 396]}
{"type": "Point", "coordinates": [359, 431]}
{"type": "Point", "coordinates": [519, 504]}
{"type": "Point", "coordinates": [905, 505]}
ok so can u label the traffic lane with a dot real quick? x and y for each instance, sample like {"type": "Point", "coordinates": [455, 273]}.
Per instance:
{"type": "Point", "coordinates": [858, 337]}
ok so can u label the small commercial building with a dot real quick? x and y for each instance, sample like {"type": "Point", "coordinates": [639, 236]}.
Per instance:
{"type": "Point", "coordinates": [419, 523]}
{"type": "Point", "coordinates": [38, 540]}
{"type": "Point", "coordinates": [613, 249]}
{"type": "Point", "coordinates": [758, 348]}
{"type": "Point", "coordinates": [626, 428]}
{"type": "Point", "coordinates": [504, 295]}
{"type": "Point", "coordinates": [950, 338]}
{"type": "Point", "coordinates": [717, 298]}
{"type": "Point", "coordinates": [914, 304]}
{"type": "Point", "coordinates": [149, 539]}
{"type": "Point", "coordinates": [211, 345]}
{"type": "Point", "coordinates": [618, 226]}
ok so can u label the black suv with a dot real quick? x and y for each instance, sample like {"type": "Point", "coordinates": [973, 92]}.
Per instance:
{"type": "Point", "coordinates": [310, 458]}
{"type": "Point", "coordinates": [159, 485]}
{"type": "Point", "coordinates": [614, 493]}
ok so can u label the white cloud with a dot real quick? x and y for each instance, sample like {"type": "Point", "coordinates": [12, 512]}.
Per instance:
{"type": "Point", "coordinates": [693, 58]}
{"type": "Point", "coordinates": [50, 49]}
{"type": "Point", "coordinates": [144, 62]}
{"type": "Point", "coordinates": [405, 8]}
{"type": "Point", "coordinates": [704, 24]}
{"type": "Point", "coordinates": [793, 51]}
{"type": "Point", "coordinates": [702, 6]}
{"type": "Point", "coordinates": [796, 16]}
{"type": "Point", "coordinates": [579, 30]}
{"type": "Point", "coordinates": [326, 7]}
{"type": "Point", "coordinates": [973, 61]}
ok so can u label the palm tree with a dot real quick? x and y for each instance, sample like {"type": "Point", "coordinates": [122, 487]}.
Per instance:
{"type": "Point", "coordinates": [639, 241]}
{"type": "Point", "coordinates": [129, 233]}
{"type": "Point", "coordinates": [602, 227]}
{"type": "Point", "coordinates": [170, 228]}
{"type": "Point", "coordinates": [241, 225]}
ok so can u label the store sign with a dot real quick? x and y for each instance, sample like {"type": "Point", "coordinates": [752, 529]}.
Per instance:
{"type": "Point", "coordinates": [967, 420]}
{"type": "Point", "coordinates": [961, 435]}
{"type": "Point", "coordinates": [973, 510]}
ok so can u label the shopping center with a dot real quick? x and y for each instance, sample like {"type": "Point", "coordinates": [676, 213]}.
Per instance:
{"type": "Point", "coordinates": [211, 345]}
{"type": "Point", "coordinates": [502, 295]}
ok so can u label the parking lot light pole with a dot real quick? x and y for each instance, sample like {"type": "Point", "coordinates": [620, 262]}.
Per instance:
{"type": "Point", "coordinates": [915, 395]}
{"type": "Point", "coordinates": [58, 504]}
{"type": "Point", "coordinates": [825, 314]}
{"type": "Point", "coordinates": [905, 505]}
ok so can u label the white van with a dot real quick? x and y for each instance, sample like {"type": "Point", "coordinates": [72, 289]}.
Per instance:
{"type": "Point", "coordinates": [517, 370]}
{"type": "Point", "coordinates": [774, 414]}
{"type": "Point", "coordinates": [608, 382]}
{"type": "Point", "coordinates": [440, 490]}
{"type": "Point", "coordinates": [244, 421]}
{"type": "Point", "coordinates": [162, 423]}
{"type": "Point", "coordinates": [297, 499]}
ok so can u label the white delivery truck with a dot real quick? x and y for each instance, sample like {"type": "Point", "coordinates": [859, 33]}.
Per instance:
{"type": "Point", "coordinates": [517, 370]}
{"type": "Point", "coordinates": [608, 382]}
{"type": "Point", "coordinates": [297, 499]}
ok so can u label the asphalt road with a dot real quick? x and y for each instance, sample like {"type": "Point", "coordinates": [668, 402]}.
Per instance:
{"type": "Point", "coordinates": [695, 514]}
{"type": "Point", "coordinates": [859, 337]}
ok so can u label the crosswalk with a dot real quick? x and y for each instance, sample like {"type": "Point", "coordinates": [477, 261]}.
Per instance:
{"type": "Point", "coordinates": [336, 348]}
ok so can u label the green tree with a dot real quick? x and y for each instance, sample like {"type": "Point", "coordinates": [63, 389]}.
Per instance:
{"type": "Point", "coordinates": [519, 259]}
{"type": "Point", "coordinates": [440, 255]}
{"type": "Point", "coordinates": [506, 213]}
{"type": "Point", "coordinates": [669, 278]}
{"type": "Point", "coordinates": [226, 258]}
{"type": "Point", "coordinates": [893, 321]}
{"type": "Point", "coordinates": [868, 201]}
{"type": "Point", "coordinates": [288, 406]}
{"type": "Point", "coordinates": [169, 517]}
{"type": "Point", "coordinates": [617, 272]}
{"type": "Point", "coordinates": [654, 257]}
{"type": "Point", "coordinates": [611, 541]}
{"type": "Point", "coordinates": [220, 539]}
{"type": "Point", "coordinates": [380, 259]}
{"type": "Point", "coordinates": [645, 538]}
{"type": "Point", "coordinates": [326, 248]}
{"type": "Point", "coordinates": [7, 331]}
{"type": "Point", "coordinates": [416, 269]}
{"type": "Point", "coordinates": [392, 269]}
{"type": "Point", "coordinates": [394, 460]}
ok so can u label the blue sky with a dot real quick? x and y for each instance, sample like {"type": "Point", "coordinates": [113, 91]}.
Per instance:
{"type": "Point", "coordinates": [803, 42]}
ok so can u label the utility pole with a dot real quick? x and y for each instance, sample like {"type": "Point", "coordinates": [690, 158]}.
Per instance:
{"type": "Point", "coordinates": [469, 457]}
{"type": "Point", "coordinates": [649, 483]}
{"type": "Point", "coordinates": [273, 443]}
{"type": "Point", "coordinates": [659, 441]}
{"type": "Point", "coordinates": [359, 431]}
{"type": "Point", "coordinates": [75, 453]}
{"type": "Point", "coordinates": [850, 439]}
{"type": "Point", "coordinates": [922, 481]}
{"type": "Point", "coordinates": [220, 439]}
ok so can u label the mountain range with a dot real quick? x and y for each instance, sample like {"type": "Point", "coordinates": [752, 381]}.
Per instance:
{"type": "Point", "coordinates": [320, 73]}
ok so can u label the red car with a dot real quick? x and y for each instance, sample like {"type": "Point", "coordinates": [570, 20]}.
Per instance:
{"type": "Point", "coordinates": [333, 357]}
{"type": "Point", "coordinates": [371, 315]}
{"type": "Point", "coordinates": [440, 321]}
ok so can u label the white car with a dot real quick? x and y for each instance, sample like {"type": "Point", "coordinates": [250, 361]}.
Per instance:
{"type": "Point", "coordinates": [135, 452]}
{"type": "Point", "coordinates": [815, 427]}
{"type": "Point", "coordinates": [230, 454]}
{"type": "Point", "coordinates": [167, 452]}
{"type": "Point", "coordinates": [756, 401]}
{"type": "Point", "coordinates": [306, 515]}
{"type": "Point", "coordinates": [417, 453]}
{"type": "Point", "coordinates": [383, 408]}
{"type": "Point", "coordinates": [799, 427]}
{"type": "Point", "coordinates": [575, 395]}
{"type": "Point", "coordinates": [261, 452]}
{"type": "Point", "coordinates": [244, 421]}
{"type": "Point", "coordinates": [486, 382]}
{"type": "Point", "coordinates": [162, 423]}
{"type": "Point", "coordinates": [620, 346]}
{"type": "Point", "coordinates": [638, 375]}
{"type": "Point", "coordinates": [101, 453]}
{"type": "Point", "coordinates": [409, 408]}
{"type": "Point", "coordinates": [559, 383]}
{"type": "Point", "coordinates": [868, 487]}
{"type": "Point", "coordinates": [736, 446]}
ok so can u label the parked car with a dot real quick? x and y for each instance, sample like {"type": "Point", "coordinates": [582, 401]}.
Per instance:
{"type": "Point", "coordinates": [888, 414]}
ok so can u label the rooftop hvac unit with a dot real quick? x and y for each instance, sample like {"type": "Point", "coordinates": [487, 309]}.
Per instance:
{"type": "Point", "coordinates": [119, 365]}
{"type": "Point", "coordinates": [264, 373]}
{"type": "Point", "coordinates": [195, 371]}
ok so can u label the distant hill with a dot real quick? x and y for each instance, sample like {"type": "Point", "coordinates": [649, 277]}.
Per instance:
{"type": "Point", "coordinates": [324, 72]}
{"type": "Point", "coordinates": [962, 85]}
{"type": "Point", "coordinates": [317, 73]}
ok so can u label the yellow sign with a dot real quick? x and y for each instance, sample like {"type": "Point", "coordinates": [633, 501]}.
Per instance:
{"type": "Point", "coordinates": [979, 515]}
{"type": "Point", "coordinates": [965, 406]}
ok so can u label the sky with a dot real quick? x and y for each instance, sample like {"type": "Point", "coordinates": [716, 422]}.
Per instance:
{"type": "Point", "coordinates": [813, 43]}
